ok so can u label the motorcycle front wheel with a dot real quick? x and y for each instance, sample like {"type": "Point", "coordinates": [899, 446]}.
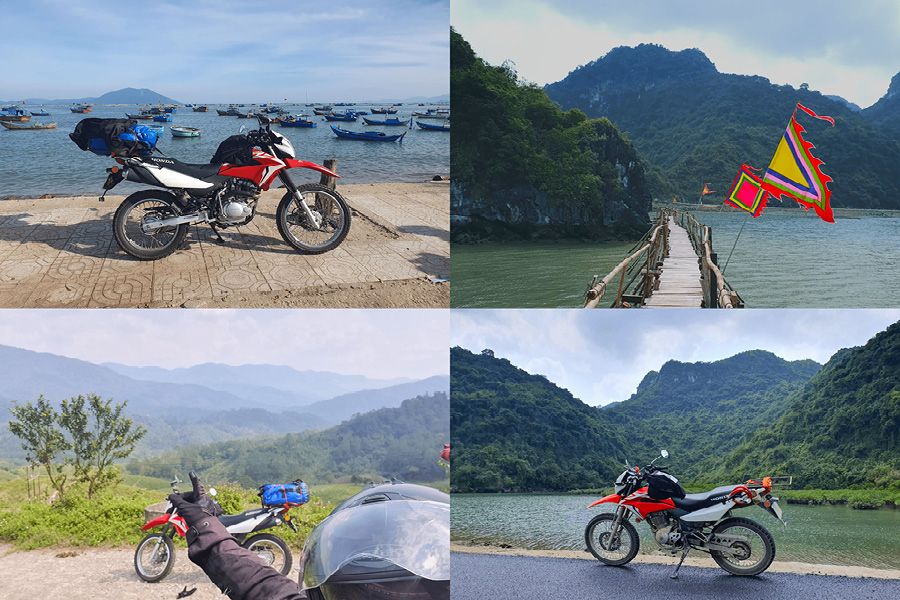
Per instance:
{"type": "Point", "coordinates": [614, 552]}
{"type": "Point", "coordinates": [154, 557]}
{"type": "Point", "coordinates": [271, 550]}
{"type": "Point", "coordinates": [142, 208]}
{"type": "Point", "coordinates": [750, 556]}
{"type": "Point", "coordinates": [330, 210]}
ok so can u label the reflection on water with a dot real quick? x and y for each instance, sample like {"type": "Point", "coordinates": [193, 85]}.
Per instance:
{"type": "Point", "coordinates": [782, 259]}
{"type": "Point", "coordinates": [33, 163]}
{"type": "Point", "coordinates": [835, 535]}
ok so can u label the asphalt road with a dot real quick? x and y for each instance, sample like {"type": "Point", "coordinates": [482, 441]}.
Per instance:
{"type": "Point", "coordinates": [483, 577]}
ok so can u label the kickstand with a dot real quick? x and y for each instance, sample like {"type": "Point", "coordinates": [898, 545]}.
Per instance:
{"type": "Point", "coordinates": [687, 548]}
{"type": "Point", "coordinates": [219, 239]}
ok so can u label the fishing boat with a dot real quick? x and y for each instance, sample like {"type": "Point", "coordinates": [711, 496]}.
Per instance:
{"type": "Point", "coordinates": [81, 108]}
{"type": "Point", "coordinates": [433, 114]}
{"type": "Point", "coordinates": [248, 115]}
{"type": "Point", "coordinates": [324, 108]}
{"type": "Point", "coordinates": [9, 108]}
{"type": "Point", "coordinates": [159, 129]}
{"type": "Point", "coordinates": [200, 108]}
{"type": "Point", "coordinates": [433, 127]}
{"type": "Point", "coordinates": [296, 122]}
{"type": "Point", "coordinates": [184, 132]}
{"type": "Point", "coordinates": [169, 108]}
{"type": "Point", "coordinates": [384, 111]}
{"type": "Point", "coordinates": [140, 117]}
{"type": "Point", "coordinates": [15, 116]}
{"type": "Point", "coordinates": [163, 118]}
{"type": "Point", "coordinates": [391, 121]}
{"type": "Point", "coordinates": [348, 117]}
{"type": "Point", "coordinates": [366, 136]}
{"type": "Point", "coordinates": [40, 113]}
{"type": "Point", "coordinates": [27, 126]}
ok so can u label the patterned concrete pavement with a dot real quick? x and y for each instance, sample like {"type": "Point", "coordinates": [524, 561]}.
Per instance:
{"type": "Point", "coordinates": [60, 252]}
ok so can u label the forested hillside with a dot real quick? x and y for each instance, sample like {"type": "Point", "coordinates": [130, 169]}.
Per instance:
{"type": "Point", "coordinates": [696, 124]}
{"type": "Point", "coordinates": [523, 168]}
{"type": "Point", "coordinates": [402, 442]}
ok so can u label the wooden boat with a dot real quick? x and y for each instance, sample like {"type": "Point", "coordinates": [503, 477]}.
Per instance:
{"type": "Point", "coordinates": [324, 108]}
{"type": "Point", "coordinates": [24, 127]}
{"type": "Point", "coordinates": [321, 112]}
{"type": "Point", "coordinates": [81, 108]}
{"type": "Point", "coordinates": [346, 117]}
{"type": "Point", "coordinates": [163, 118]}
{"type": "Point", "coordinates": [184, 132]}
{"type": "Point", "coordinates": [200, 109]}
{"type": "Point", "coordinates": [249, 115]}
{"type": "Point", "coordinates": [366, 136]}
{"type": "Point", "coordinates": [15, 116]}
{"type": "Point", "coordinates": [391, 121]}
{"type": "Point", "coordinates": [433, 127]}
{"type": "Point", "coordinates": [159, 129]}
{"type": "Point", "coordinates": [169, 109]}
{"type": "Point", "coordinates": [40, 113]}
{"type": "Point", "coordinates": [296, 122]}
{"type": "Point", "coordinates": [140, 117]}
{"type": "Point", "coordinates": [432, 114]}
{"type": "Point", "coordinates": [384, 111]}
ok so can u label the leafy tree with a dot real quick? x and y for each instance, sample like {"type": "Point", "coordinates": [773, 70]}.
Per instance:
{"type": "Point", "coordinates": [99, 435]}
{"type": "Point", "coordinates": [37, 427]}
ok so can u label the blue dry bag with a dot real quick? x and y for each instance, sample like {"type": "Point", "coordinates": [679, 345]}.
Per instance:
{"type": "Point", "coordinates": [284, 494]}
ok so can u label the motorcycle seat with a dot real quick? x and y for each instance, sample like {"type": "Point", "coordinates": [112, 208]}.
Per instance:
{"type": "Point", "coordinates": [229, 520]}
{"type": "Point", "coordinates": [692, 502]}
{"type": "Point", "coordinates": [197, 171]}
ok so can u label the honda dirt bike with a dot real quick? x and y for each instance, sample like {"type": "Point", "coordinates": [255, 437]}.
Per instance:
{"type": "Point", "coordinates": [683, 522]}
{"type": "Point", "coordinates": [155, 554]}
{"type": "Point", "coordinates": [151, 224]}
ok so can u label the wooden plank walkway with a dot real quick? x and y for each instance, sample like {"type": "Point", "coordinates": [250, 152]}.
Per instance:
{"type": "Point", "coordinates": [679, 282]}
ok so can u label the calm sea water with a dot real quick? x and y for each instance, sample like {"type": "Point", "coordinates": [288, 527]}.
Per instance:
{"type": "Point", "coordinates": [815, 534]}
{"type": "Point", "coordinates": [782, 259]}
{"type": "Point", "coordinates": [33, 163]}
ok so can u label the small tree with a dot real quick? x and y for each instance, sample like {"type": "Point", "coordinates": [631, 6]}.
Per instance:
{"type": "Point", "coordinates": [99, 435]}
{"type": "Point", "coordinates": [37, 427]}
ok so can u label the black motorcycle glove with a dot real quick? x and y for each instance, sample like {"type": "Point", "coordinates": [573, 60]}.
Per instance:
{"type": "Point", "coordinates": [236, 571]}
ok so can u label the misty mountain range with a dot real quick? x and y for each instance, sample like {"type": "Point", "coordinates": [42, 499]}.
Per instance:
{"type": "Point", "coordinates": [203, 403]}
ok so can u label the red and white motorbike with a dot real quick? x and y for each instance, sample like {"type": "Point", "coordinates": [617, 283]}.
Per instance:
{"type": "Point", "coordinates": [151, 224]}
{"type": "Point", "coordinates": [681, 522]}
{"type": "Point", "coordinates": [155, 554]}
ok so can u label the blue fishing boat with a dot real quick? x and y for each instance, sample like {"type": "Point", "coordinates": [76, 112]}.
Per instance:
{"type": "Point", "coordinates": [296, 122]}
{"type": "Point", "coordinates": [40, 113]}
{"type": "Point", "coordinates": [392, 121]}
{"type": "Point", "coordinates": [347, 116]}
{"type": "Point", "coordinates": [433, 127]}
{"type": "Point", "coordinates": [163, 118]}
{"type": "Point", "coordinates": [366, 136]}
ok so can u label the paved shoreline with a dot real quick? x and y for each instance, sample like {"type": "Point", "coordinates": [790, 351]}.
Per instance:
{"type": "Point", "coordinates": [60, 252]}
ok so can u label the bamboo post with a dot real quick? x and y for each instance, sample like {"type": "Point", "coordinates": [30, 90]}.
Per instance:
{"type": "Point", "coordinates": [327, 180]}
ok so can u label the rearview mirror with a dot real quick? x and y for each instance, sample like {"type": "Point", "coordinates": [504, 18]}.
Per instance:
{"type": "Point", "coordinates": [664, 453]}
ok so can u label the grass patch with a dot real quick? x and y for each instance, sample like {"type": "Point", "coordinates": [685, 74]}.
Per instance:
{"type": "Point", "coordinates": [859, 499]}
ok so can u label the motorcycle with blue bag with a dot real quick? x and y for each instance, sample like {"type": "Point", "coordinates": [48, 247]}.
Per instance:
{"type": "Point", "coordinates": [151, 224]}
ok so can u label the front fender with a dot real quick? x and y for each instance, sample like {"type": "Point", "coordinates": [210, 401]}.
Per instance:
{"type": "Point", "coordinates": [611, 499]}
{"type": "Point", "coordinates": [293, 163]}
{"type": "Point", "coordinates": [158, 521]}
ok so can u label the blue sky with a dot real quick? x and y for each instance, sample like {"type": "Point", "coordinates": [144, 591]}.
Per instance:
{"type": "Point", "coordinates": [376, 343]}
{"type": "Point", "coordinates": [228, 50]}
{"type": "Point", "coordinates": [847, 48]}
{"type": "Point", "coordinates": [601, 355]}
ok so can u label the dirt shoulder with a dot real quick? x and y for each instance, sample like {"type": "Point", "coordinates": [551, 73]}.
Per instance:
{"type": "Point", "coordinates": [777, 566]}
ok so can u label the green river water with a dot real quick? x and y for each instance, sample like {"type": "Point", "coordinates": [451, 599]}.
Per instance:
{"type": "Point", "coordinates": [836, 535]}
{"type": "Point", "coordinates": [783, 259]}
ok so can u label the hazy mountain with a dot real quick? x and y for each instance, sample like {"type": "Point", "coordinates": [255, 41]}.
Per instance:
{"type": "Point", "coordinates": [123, 96]}
{"type": "Point", "coordinates": [347, 405]}
{"type": "Point", "coordinates": [692, 123]}
{"type": "Point", "coordinates": [402, 441]}
{"type": "Point", "coordinates": [851, 105]}
{"type": "Point", "coordinates": [263, 385]}
{"type": "Point", "coordinates": [886, 112]}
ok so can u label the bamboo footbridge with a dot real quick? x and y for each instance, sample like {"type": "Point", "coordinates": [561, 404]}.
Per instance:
{"type": "Point", "coordinates": [673, 265]}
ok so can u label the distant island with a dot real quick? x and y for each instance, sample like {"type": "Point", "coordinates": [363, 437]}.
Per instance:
{"type": "Point", "coordinates": [123, 96]}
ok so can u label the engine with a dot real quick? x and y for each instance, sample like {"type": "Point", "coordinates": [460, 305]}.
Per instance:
{"type": "Point", "coordinates": [664, 528]}
{"type": "Point", "coordinates": [237, 202]}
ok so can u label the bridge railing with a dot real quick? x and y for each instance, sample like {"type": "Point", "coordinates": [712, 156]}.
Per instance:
{"type": "Point", "coordinates": [637, 275]}
{"type": "Point", "coordinates": [716, 291]}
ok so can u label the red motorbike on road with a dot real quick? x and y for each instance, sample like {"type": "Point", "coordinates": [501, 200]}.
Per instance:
{"type": "Point", "coordinates": [683, 522]}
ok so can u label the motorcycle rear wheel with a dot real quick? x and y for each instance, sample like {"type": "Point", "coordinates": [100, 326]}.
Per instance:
{"type": "Point", "coordinates": [267, 547]}
{"type": "Point", "coordinates": [163, 565]}
{"type": "Point", "coordinates": [147, 246]}
{"type": "Point", "coordinates": [595, 540]}
{"type": "Point", "coordinates": [732, 564]}
{"type": "Point", "coordinates": [293, 222]}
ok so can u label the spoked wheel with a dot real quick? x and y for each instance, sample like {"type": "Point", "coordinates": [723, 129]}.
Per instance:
{"type": "Point", "coordinates": [609, 547]}
{"type": "Point", "coordinates": [154, 557]}
{"type": "Point", "coordinates": [752, 550]}
{"type": "Point", "coordinates": [325, 230]}
{"type": "Point", "coordinates": [131, 230]}
{"type": "Point", "coordinates": [272, 551]}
